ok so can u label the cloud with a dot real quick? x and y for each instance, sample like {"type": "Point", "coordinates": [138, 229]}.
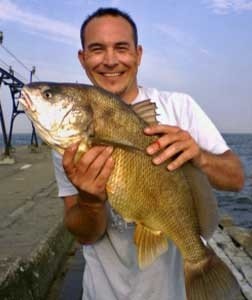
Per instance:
{"type": "Point", "coordinates": [229, 6]}
{"type": "Point", "coordinates": [184, 40]}
{"type": "Point", "coordinates": [53, 29]}
{"type": "Point", "coordinates": [205, 52]}
{"type": "Point", "coordinates": [174, 33]}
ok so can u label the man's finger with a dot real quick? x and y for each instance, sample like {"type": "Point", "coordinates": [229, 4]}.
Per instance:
{"type": "Point", "coordinates": [89, 157]}
{"type": "Point", "coordinates": [161, 143]}
{"type": "Point", "coordinates": [161, 129]}
{"type": "Point", "coordinates": [171, 151]}
{"type": "Point", "coordinates": [96, 166]}
{"type": "Point", "coordinates": [68, 157]}
{"type": "Point", "coordinates": [179, 161]}
{"type": "Point", "coordinates": [103, 177]}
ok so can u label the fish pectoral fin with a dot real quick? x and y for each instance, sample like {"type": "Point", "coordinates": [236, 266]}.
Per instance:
{"type": "Point", "coordinates": [84, 145]}
{"type": "Point", "coordinates": [150, 245]}
{"type": "Point", "coordinates": [123, 144]}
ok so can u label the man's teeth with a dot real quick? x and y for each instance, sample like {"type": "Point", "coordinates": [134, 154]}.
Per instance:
{"type": "Point", "coordinates": [111, 74]}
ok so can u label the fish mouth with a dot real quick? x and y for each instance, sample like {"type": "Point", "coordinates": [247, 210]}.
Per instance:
{"type": "Point", "coordinates": [26, 101]}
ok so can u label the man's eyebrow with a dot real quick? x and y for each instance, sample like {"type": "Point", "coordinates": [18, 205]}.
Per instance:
{"type": "Point", "coordinates": [122, 43]}
{"type": "Point", "coordinates": [92, 45]}
{"type": "Point", "coordinates": [101, 45]}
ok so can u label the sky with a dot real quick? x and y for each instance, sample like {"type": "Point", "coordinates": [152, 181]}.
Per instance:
{"type": "Point", "coordinates": [199, 47]}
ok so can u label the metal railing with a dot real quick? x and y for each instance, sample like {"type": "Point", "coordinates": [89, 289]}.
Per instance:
{"type": "Point", "coordinates": [15, 85]}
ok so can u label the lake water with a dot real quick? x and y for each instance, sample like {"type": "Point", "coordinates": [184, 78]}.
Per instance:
{"type": "Point", "coordinates": [239, 205]}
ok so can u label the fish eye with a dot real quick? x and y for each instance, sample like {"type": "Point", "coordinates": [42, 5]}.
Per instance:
{"type": "Point", "coordinates": [46, 93]}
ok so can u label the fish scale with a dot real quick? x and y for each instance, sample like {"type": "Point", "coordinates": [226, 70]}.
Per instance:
{"type": "Point", "coordinates": [147, 203]}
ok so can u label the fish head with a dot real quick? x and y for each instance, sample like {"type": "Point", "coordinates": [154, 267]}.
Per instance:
{"type": "Point", "coordinates": [60, 112]}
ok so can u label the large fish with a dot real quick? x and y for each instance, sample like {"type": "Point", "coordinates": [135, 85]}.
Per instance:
{"type": "Point", "coordinates": [177, 205]}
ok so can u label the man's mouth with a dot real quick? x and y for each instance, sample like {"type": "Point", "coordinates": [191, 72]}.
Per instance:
{"type": "Point", "coordinates": [114, 74]}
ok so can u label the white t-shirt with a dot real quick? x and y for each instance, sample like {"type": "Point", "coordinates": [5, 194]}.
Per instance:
{"type": "Point", "coordinates": [111, 270]}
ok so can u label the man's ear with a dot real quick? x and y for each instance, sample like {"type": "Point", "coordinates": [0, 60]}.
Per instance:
{"type": "Point", "coordinates": [81, 56]}
{"type": "Point", "coordinates": [139, 54]}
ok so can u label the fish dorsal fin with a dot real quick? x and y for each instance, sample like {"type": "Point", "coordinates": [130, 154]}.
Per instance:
{"type": "Point", "coordinates": [204, 199]}
{"type": "Point", "coordinates": [150, 245]}
{"type": "Point", "coordinates": [146, 110]}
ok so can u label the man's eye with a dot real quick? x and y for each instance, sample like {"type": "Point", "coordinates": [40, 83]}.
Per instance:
{"type": "Point", "coordinates": [122, 48]}
{"type": "Point", "coordinates": [96, 50]}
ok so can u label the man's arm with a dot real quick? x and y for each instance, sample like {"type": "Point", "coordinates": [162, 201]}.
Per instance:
{"type": "Point", "coordinates": [86, 222]}
{"type": "Point", "coordinates": [224, 171]}
{"type": "Point", "coordinates": [86, 213]}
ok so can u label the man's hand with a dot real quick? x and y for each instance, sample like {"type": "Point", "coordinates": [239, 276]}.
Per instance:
{"type": "Point", "coordinates": [90, 174]}
{"type": "Point", "coordinates": [173, 141]}
{"type": "Point", "coordinates": [224, 171]}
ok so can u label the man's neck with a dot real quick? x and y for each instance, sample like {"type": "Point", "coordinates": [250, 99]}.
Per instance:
{"type": "Point", "coordinates": [130, 98]}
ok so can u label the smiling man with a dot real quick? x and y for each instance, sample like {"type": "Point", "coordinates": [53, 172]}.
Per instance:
{"type": "Point", "coordinates": [111, 57]}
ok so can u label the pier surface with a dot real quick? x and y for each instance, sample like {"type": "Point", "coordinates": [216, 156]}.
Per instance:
{"type": "Point", "coordinates": [235, 250]}
{"type": "Point", "coordinates": [32, 237]}
{"type": "Point", "coordinates": [34, 243]}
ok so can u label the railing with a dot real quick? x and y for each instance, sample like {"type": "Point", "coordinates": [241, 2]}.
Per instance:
{"type": "Point", "coordinates": [15, 85]}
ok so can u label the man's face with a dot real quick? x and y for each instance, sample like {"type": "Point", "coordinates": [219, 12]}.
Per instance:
{"type": "Point", "coordinates": [110, 57]}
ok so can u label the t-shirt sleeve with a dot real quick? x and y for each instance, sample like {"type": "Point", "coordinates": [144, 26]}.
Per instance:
{"type": "Point", "coordinates": [65, 187]}
{"type": "Point", "coordinates": [203, 130]}
{"type": "Point", "coordinates": [180, 109]}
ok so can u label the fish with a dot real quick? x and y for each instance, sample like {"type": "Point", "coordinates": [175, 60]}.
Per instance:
{"type": "Point", "coordinates": [165, 205]}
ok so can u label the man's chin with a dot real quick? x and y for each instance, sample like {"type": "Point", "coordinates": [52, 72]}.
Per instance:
{"type": "Point", "coordinates": [114, 90]}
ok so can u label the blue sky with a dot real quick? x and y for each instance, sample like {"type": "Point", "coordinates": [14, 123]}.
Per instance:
{"type": "Point", "coordinates": [201, 47]}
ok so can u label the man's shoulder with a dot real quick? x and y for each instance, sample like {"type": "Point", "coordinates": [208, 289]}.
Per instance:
{"type": "Point", "coordinates": [165, 96]}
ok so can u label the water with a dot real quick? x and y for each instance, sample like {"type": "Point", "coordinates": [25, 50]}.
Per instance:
{"type": "Point", "coordinates": [238, 205]}
{"type": "Point", "coordinates": [18, 139]}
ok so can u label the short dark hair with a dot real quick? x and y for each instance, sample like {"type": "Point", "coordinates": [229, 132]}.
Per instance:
{"type": "Point", "coordinates": [108, 11]}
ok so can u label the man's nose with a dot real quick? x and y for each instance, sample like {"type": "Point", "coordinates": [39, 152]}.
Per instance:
{"type": "Point", "coordinates": [110, 58]}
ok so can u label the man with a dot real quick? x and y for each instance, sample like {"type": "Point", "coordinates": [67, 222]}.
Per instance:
{"type": "Point", "coordinates": [111, 56]}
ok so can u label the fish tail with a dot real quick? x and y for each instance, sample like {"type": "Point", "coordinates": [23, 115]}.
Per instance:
{"type": "Point", "coordinates": [210, 279]}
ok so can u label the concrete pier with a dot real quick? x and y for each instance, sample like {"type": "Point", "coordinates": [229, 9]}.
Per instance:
{"type": "Point", "coordinates": [234, 246]}
{"type": "Point", "coordinates": [34, 242]}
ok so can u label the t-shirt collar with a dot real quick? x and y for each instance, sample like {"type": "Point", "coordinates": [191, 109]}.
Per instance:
{"type": "Point", "coordinates": [140, 96]}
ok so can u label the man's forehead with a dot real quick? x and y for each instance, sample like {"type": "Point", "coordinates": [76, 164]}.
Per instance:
{"type": "Point", "coordinates": [107, 26]}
